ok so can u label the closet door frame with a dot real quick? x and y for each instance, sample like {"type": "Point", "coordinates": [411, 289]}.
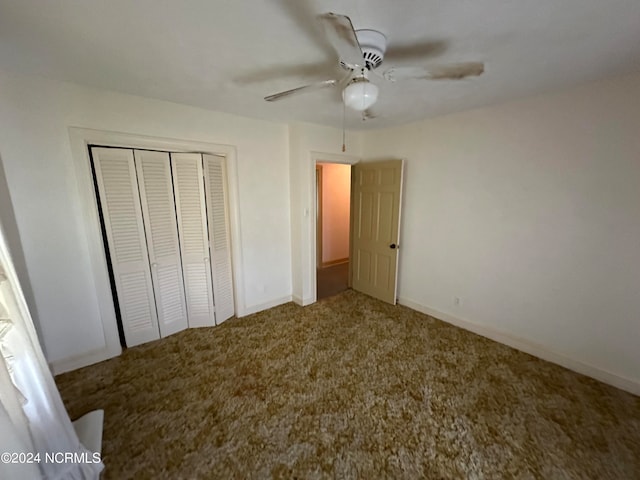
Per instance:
{"type": "Point", "coordinates": [81, 139]}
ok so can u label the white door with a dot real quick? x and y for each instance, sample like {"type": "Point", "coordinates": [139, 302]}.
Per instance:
{"type": "Point", "coordinates": [215, 179]}
{"type": "Point", "coordinates": [377, 191]}
{"type": "Point", "coordinates": [121, 211]}
{"type": "Point", "coordinates": [188, 186]}
{"type": "Point", "coordinates": [159, 215]}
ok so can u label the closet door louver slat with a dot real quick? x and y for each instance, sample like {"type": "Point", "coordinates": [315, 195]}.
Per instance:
{"type": "Point", "coordinates": [194, 240]}
{"type": "Point", "coordinates": [218, 220]}
{"type": "Point", "coordinates": [120, 202]}
{"type": "Point", "coordinates": [159, 215]}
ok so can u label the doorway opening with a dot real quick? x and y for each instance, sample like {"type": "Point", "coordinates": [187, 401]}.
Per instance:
{"type": "Point", "coordinates": [333, 215]}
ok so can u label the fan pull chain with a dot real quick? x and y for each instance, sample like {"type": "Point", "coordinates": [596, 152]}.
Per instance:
{"type": "Point", "coordinates": [344, 108]}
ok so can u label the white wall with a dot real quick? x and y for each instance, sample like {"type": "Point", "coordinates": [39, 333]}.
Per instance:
{"type": "Point", "coordinates": [35, 116]}
{"type": "Point", "coordinates": [529, 212]}
{"type": "Point", "coordinates": [309, 144]}
{"type": "Point", "coordinates": [336, 205]}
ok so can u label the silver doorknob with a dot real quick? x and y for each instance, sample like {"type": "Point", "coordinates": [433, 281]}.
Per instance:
{"type": "Point", "coordinates": [206, 259]}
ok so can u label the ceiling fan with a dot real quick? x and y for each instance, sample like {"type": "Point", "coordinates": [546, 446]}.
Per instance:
{"type": "Point", "coordinates": [360, 53]}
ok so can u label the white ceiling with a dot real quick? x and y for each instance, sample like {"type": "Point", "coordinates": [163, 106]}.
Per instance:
{"type": "Point", "coordinates": [227, 55]}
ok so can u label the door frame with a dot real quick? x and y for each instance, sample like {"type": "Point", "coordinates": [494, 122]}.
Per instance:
{"type": "Point", "coordinates": [318, 200]}
{"type": "Point", "coordinates": [320, 157]}
{"type": "Point", "coordinates": [81, 139]}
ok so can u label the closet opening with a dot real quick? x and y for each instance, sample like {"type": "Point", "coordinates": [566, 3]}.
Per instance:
{"type": "Point", "coordinates": [165, 230]}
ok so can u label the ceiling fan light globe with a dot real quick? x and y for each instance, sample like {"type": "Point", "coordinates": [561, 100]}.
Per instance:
{"type": "Point", "coordinates": [360, 95]}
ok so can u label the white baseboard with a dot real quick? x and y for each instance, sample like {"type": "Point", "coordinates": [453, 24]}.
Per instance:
{"type": "Point", "coordinates": [333, 263]}
{"type": "Point", "coordinates": [605, 376]}
{"type": "Point", "coordinates": [303, 302]}
{"type": "Point", "coordinates": [264, 306]}
{"type": "Point", "coordinates": [84, 360]}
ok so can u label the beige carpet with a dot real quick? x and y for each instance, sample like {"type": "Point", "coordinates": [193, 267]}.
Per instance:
{"type": "Point", "coordinates": [351, 388]}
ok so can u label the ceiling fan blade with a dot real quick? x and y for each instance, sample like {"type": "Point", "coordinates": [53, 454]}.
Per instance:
{"type": "Point", "coordinates": [305, 17]}
{"type": "Point", "coordinates": [302, 72]}
{"type": "Point", "coordinates": [340, 33]}
{"type": "Point", "coordinates": [453, 71]}
{"type": "Point", "coordinates": [305, 88]}
{"type": "Point", "coordinates": [415, 51]}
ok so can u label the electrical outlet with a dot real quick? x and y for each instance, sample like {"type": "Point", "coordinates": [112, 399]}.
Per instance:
{"type": "Point", "coordinates": [456, 301]}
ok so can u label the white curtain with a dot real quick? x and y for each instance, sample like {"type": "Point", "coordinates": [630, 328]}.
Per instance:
{"type": "Point", "coordinates": [37, 438]}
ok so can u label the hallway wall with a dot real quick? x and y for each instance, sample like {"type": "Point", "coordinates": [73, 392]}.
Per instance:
{"type": "Point", "coordinates": [336, 192]}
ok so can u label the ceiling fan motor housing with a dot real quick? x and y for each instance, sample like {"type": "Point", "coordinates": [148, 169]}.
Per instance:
{"type": "Point", "coordinates": [373, 45]}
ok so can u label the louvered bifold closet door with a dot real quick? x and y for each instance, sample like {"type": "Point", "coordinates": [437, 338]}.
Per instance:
{"type": "Point", "coordinates": [194, 239]}
{"type": "Point", "coordinates": [161, 226]}
{"type": "Point", "coordinates": [121, 210]}
{"type": "Point", "coordinates": [215, 175]}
